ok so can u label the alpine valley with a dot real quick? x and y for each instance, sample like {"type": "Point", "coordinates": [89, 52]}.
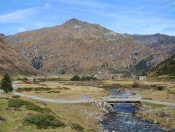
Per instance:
{"type": "Point", "coordinates": [81, 47]}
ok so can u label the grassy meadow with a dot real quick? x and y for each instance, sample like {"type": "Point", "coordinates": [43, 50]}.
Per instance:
{"type": "Point", "coordinates": [82, 116]}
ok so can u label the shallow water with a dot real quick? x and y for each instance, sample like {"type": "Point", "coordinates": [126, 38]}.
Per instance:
{"type": "Point", "coordinates": [123, 119]}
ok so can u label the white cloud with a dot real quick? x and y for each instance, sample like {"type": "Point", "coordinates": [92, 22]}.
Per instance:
{"type": "Point", "coordinates": [18, 15]}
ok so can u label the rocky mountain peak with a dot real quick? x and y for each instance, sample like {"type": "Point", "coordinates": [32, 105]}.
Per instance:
{"type": "Point", "coordinates": [72, 21]}
{"type": "Point", "coordinates": [78, 46]}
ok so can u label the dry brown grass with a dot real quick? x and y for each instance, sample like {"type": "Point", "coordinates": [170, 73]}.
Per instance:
{"type": "Point", "coordinates": [66, 91]}
{"type": "Point", "coordinates": [145, 92]}
{"type": "Point", "coordinates": [158, 95]}
{"type": "Point", "coordinates": [163, 115]}
{"type": "Point", "coordinates": [83, 114]}
{"type": "Point", "coordinates": [131, 81]}
{"type": "Point", "coordinates": [14, 120]}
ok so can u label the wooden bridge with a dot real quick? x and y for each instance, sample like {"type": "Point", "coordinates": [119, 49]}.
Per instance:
{"type": "Point", "coordinates": [123, 99]}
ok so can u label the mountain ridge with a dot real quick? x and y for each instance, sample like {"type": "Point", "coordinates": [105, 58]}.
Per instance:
{"type": "Point", "coordinates": [11, 62]}
{"type": "Point", "coordinates": [164, 69]}
{"type": "Point", "coordinates": [77, 46]}
{"type": "Point", "coordinates": [157, 41]}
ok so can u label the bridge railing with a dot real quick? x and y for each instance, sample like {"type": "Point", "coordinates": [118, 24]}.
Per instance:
{"type": "Point", "coordinates": [123, 97]}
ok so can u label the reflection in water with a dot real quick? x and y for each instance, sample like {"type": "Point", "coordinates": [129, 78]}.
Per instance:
{"type": "Point", "coordinates": [123, 119]}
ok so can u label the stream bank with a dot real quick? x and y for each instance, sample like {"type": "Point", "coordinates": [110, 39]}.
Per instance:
{"type": "Point", "coordinates": [124, 119]}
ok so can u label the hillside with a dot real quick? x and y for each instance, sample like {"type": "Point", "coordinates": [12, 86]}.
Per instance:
{"type": "Point", "coordinates": [1, 35]}
{"type": "Point", "coordinates": [166, 67]}
{"type": "Point", "coordinates": [161, 42]}
{"type": "Point", "coordinates": [77, 46]}
{"type": "Point", "coordinates": [10, 62]}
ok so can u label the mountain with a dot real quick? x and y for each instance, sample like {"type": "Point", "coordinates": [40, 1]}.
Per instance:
{"type": "Point", "coordinates": [77, 46]}
{"type": "Point", "coordinates": [2, 35]}
{"type": "Point", "coordinates": [165, 68]}
{"type": "Point", "coordinates": [11, 62]}
{"type": "Point", "coordinates": [161, 42]}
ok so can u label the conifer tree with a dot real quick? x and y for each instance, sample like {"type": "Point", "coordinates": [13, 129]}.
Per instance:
{"type": "Point", "coordinates": [6, 83]}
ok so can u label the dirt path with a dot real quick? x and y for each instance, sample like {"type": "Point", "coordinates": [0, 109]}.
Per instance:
{"type": "Point", "coordinates": [158, 110]}
{"type": "Point", "coordinates": [84, 100]}
{"type": "Point", "coordinates": [81, 100]}
{"type": "Point", "coordinates": [157, 102]}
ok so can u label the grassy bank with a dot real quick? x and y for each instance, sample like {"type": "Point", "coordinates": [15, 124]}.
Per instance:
{"type": "Point", "coordinates": [162, 91]}
{"type": "Point", "coordinates": [15, 112]}
{"type": "Point", "coordinates": [76, 117]}
{"type": "Point", "coordinates": [61, 89]}
{"type": "Point", "coordinates": [155, 90]}
{"type": "Point", "coordinates": [159, 114]}
{"type": "Point", "coordinates": [20, 115]}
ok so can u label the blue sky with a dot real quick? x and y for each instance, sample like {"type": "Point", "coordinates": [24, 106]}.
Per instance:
{"type": "Point", "coordinates": [122, 16]}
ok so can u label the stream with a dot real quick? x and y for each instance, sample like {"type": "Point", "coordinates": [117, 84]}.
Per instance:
{"type": "Point", "coordinates": [123, 119]}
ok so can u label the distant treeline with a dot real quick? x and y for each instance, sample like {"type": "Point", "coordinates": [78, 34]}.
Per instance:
{"type": "Point", "coordinates": [84, 78]}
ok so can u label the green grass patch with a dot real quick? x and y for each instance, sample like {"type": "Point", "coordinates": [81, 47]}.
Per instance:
{"type": "Point", "coordinates": [53, 92]}
{"type": "Point", "coordinates": [18, 103]}
{"type": "Point", "coordinates": [28, 89]}
{"type": "Point", "coordinates": [43, 121]}
{"type": "Point", "coordinates": [62, 88]}
{"type": "Point", "coordinates": [77, 127]}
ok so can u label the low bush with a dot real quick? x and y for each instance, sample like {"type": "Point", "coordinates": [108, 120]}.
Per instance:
{"type": "Point", "coordinates": [75, 78]}
{"type": "Point", "coordinates": [77, 127]}
{"type": "Point", "coordinates": [84, 78]}
{"type": "Point", "coordinates": [53, 79]}
{"type": "Point", "coordinates": [2, 119]}
{"type": "Point", "coordinates": [53, 92]}
{"type": "Point", "coordinates": [46, 110]}
{"type": "Point", "coordinates": [16, 96]}
{"type": "Point", "coordinates": [41, 89]}
{"type": "Point", "coordinates": [160, 88]}
{"type": "Point", "coordinates": [63, 88]}
{"type": "Point", "coordinates": [28, 89]}
{"type": "Point", "coordinates": [135, 85]}
{"type": "Point", "coordinates": [24, 78]}
{"type": "Point", "coordinates": [33, 107]}
{"type": "Point", "coordinates": [17, 103]}
{"type": "Point", "coordinates": [24, 89]}
{"type": "Point", "coordinates": [43, 121]}
{"type": "Point", "coordinates": [90, 130]}
{"type": "Point", "coordinates": [88, 78]}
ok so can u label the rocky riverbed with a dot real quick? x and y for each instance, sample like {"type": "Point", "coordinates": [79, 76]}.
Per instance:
{"type": "Point", "coordinates": [123, 118]}
{"type": "Point", "coordinates": [161, 115]}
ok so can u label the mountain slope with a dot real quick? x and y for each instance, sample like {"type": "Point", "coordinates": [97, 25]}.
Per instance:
{"type": "Point", "coordinates": [166, 67]}
{"type": "Point", "coordinates": [161, 42]}
{"type": "Point", "coordinates": [77, 46]}
{"type": "Point", "coordinates": [10, 62]}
